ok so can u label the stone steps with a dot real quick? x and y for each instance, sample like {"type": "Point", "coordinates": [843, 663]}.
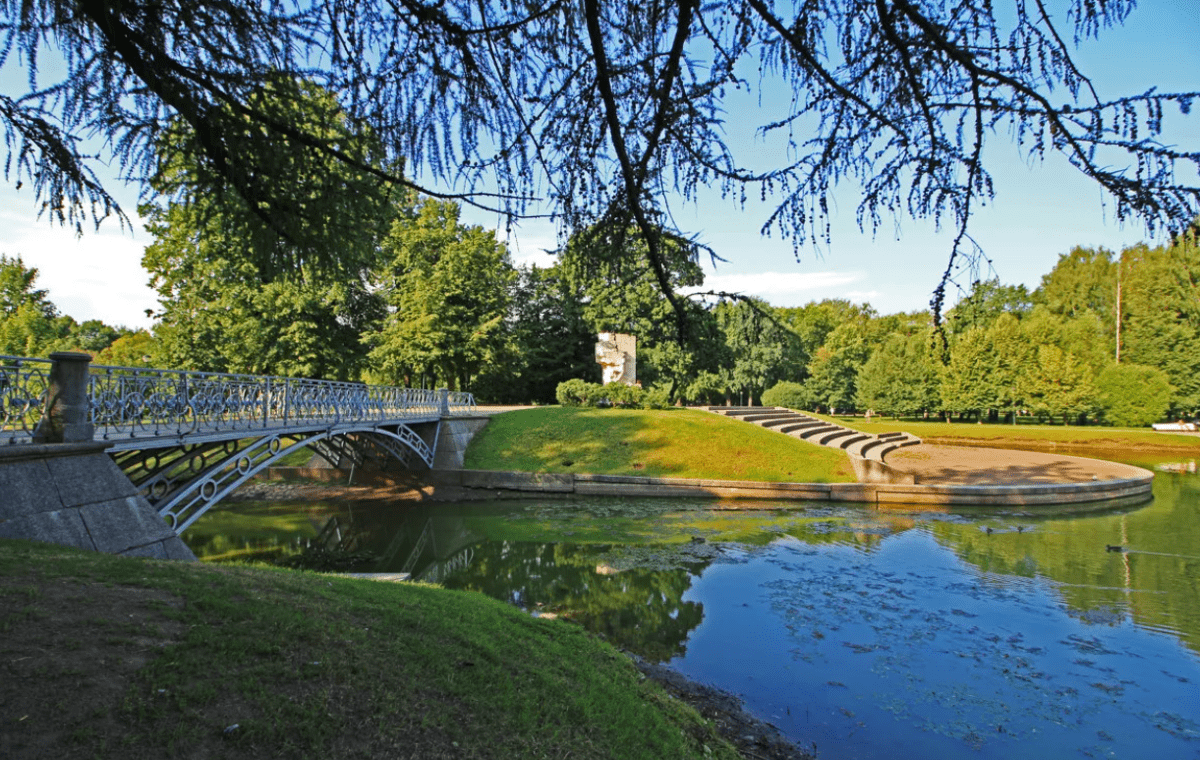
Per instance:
{"type": "Point", "coordinates": [813, 430]}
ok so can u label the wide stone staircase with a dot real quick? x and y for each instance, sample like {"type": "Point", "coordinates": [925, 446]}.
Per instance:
{"type": "Point", "coordinates": [819, 431]}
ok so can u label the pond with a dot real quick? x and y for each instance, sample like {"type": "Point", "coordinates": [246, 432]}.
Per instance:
{"type": "Point", "coordinates": [869, 634]}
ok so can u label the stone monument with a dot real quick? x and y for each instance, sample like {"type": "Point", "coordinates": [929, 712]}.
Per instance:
{"type": "Point", "coordinates": [616, 354]}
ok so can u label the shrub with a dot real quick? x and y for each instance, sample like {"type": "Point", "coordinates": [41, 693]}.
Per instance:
{"type": "Point", "coordinates": [1133, 395]}
{"type": "Point", "coordinates": [582, 393]}
{"type": "Point", "coordinates": [785, 393]}
{"type": "Point", "coordinates": [624, 396]}
{"type": "Point", "coordinates": [656, 398]}
{"type": "Point", "coordinates": [573, 392]}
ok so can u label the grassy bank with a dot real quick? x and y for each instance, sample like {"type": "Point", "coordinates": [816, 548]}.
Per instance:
{"type": "Point", "coordinates": [111, 657]}
{"type": "Point", "coordinates": [682, 443]}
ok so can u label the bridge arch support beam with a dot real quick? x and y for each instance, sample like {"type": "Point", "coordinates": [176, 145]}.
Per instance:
{"type": "Point", "coordinates": [184, 482]}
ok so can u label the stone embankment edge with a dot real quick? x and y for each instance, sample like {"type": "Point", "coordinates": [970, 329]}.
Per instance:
{"type": "Point", "coordinates": [486, 484]}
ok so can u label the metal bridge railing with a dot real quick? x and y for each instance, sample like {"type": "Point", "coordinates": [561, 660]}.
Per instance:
{"type": "Point", "coordinates": [132, 402]}
{"type": "Point", "coordinates": [23, 385]}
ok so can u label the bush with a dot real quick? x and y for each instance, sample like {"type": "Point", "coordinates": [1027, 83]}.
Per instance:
{"type": "Point", "coordinates": [1133, 395]}
{"type": "Point", "coordinates": [574, 392]}
{"type": "Point", "coordinates": [582, 393]}
{"type": "Point", "coordinates": [656, 398]}
{"type": "Point", "coordinates": [785, 393]}
{"type": "Point", "coordinates": [624, 396]}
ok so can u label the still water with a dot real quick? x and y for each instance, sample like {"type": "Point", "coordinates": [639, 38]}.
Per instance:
{"type": "Point", "coordinates": [871, 635]}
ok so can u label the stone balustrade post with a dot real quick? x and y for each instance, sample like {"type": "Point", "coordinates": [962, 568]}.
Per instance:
{"type": "Point", "coordinates": [66, 417]}
{"type": "Point", "coordinates": [444, 402]}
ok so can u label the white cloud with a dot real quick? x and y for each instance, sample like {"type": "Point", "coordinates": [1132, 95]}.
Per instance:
{"type": "Point", "coordinates": [96, 276]}
{"type": "Point", "coordinates": [785, 288]}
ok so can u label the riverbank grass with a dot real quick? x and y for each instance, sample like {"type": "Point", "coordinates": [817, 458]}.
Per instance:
{"type": "Point", "coordinates": [680, 443]}
{"type": "Point", "coordinates": [115, 657]}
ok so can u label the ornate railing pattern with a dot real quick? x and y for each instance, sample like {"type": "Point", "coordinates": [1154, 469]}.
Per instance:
{"type": "Point", "coordinates": [129, 402]}
{"type": "Point", "coordinates": [23, 384]}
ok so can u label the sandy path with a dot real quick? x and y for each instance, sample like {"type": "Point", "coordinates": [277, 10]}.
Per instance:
{"type": "Point", "coordinates": [963, 465]}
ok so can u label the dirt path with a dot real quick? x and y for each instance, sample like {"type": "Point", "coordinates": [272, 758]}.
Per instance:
{"type": "Point", "coordinates": [966, 465]}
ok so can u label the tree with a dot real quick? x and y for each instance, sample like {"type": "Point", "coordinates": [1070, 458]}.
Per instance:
{"type": "Point", "coordinates": [1134, 396]}
{"type": "Point", "coordinates": [447, 289]}
{"type": "Point", "coordinates": [607, 110]}
{"type": "Point", "coordinates": [1161, 314]}
{"type": "Point", "coordinates": [901, 376]}
{"type": "Point", "coordinates": [1060, 385]}
{"type": "Point", "coordinates": [135, 349]}
{"type": "Point", "coordinates": [833, 371]}
{"type": "Point", "coordinates": [987, 300]}
{"type": "Point", "coordinates": [227, 304]}
{"type": "Point", "coordinates": [551, 340]}
{"type": "Point", "coordinates": [1083, 281]}
{"type": "Point", "coordinates": [17, 289]}
{"type": "Point", "coordinates": [755, 347]}
{"type": "Point", "coordinates": [613, 272]}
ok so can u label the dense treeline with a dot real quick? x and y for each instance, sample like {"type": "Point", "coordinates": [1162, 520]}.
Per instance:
{"type": "Point", "coordinates": [448, 307]}
{"type": "Point", "coordinates": [419, 298]}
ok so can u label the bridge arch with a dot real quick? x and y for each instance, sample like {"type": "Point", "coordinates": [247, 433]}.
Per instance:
{"type": "Point", "coordinates": [185, 481]}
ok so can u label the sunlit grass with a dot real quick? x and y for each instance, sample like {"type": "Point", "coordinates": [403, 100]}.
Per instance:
{"type": "Point", "coordinates": [681, 443]}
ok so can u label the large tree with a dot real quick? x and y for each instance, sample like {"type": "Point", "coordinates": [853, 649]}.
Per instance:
{"type": "Point", "coordinates": [242, 294]}
{"type": "Point", "coordinates": [1161, 314]}
{"type": "Point", "coordinates": [551, 340]}
{"type": "Point", "coordinates": [446, 285]}
{"type": "Point", "coordinates": [606, 110]}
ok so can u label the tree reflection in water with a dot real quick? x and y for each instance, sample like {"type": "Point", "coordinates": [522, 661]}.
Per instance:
{"type": "Point", "coordinates": [637, 609]}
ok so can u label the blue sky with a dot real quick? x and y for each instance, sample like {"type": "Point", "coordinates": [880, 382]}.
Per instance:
{"type": "Point", "coordinates": [1039, 212]}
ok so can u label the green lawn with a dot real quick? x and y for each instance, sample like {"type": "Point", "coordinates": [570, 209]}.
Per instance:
{"type": "Point", "coordinates": [109, 657]}
{"type": "Point", "coordinates": [683, 443]}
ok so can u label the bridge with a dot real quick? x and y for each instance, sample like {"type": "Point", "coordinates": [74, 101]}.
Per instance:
{"type": "Point", "coordinates": [186, 439]}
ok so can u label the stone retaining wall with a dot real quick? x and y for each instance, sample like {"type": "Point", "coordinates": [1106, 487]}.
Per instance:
{"type": "Point", "coordinates": [75, 495]}
{"type": "Point", "coordinates": [481, 484]}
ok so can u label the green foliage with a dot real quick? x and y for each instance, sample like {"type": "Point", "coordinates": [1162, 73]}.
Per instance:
{"type": "Point", "coordinates": [1161, 314]}
{"type": "Point", "coordinates": [833, 370]}
{"type": "Point", "coordinates": [30, 325]}
{"type": "Point", "coordinates": [447, 289]}
{"type": "Point", "coordinates": [261, 290]}
{"type": "Point", "coordinates": [1083, 281]}
{"type": "Point", "coordinates": [573, 392]}
{"type": "Point", "coordinates": [137, 349]}
{"type": "Point", "coordinates": [900, 377]}
{"type": "Point", "coordinates": [706, 387]}
{"type": "Point", "coordinates": [1132, 395]}
{"type": "Point", "coordinates": [966, 380]}
{"type": "Point", "coordinates": [786, 393]}
{"type": "Point", "coordinates": [619, 291]}
{"type": "Point", "coordinates": [551, 342]}
{"type": "Point", "coordinates": [656, 397]}
{"type": "Point", "coordinates": [987, 300]}
{"type": "Point", "coordinates": [755, 347]}
{"type": "Point", "coordinates": [1060, 385]}
{"type": "Point", "coordinates": [576, 392]}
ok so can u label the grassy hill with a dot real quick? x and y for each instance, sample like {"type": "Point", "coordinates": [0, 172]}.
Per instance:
{"type": "Point", "coordinates": [111, 657]}
{"type": "Point", "coordinates": [683, 443]}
